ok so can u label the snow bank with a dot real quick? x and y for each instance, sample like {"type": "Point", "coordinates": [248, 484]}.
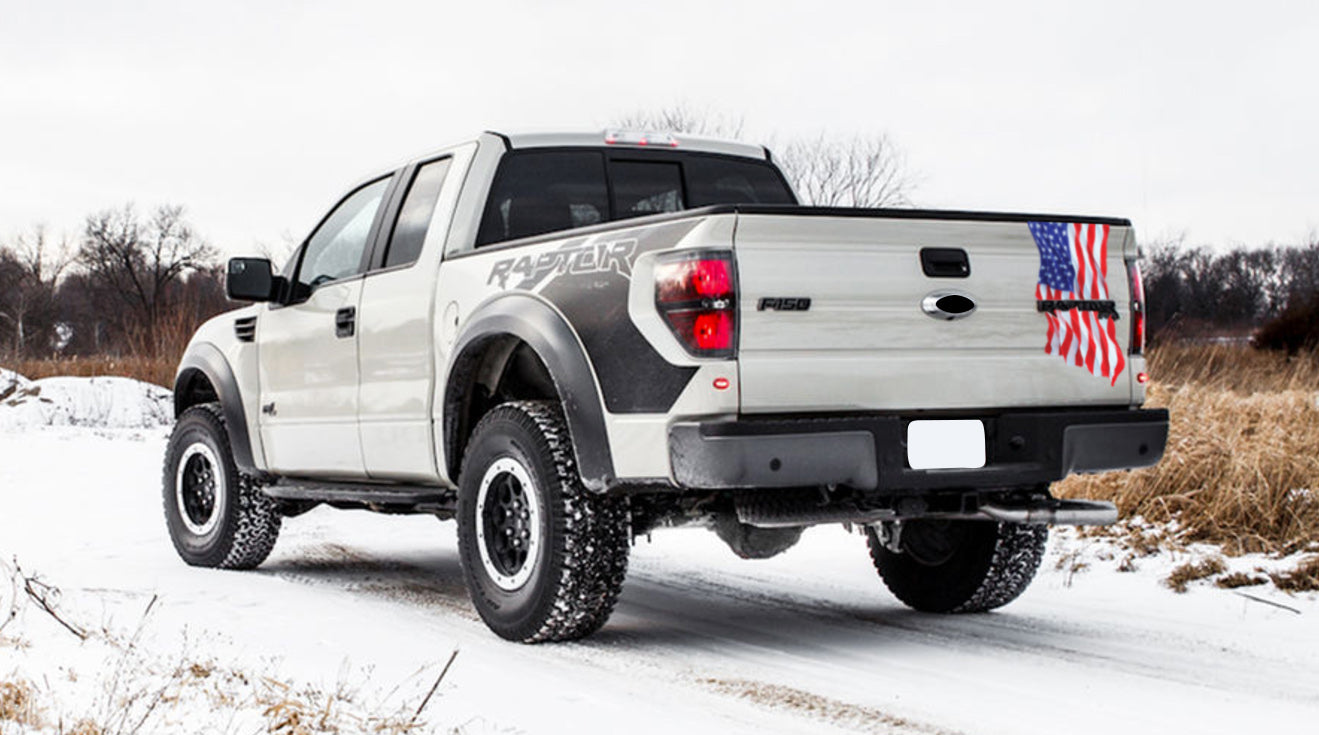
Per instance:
{"type": "Point", "coordinates": [107, 402]}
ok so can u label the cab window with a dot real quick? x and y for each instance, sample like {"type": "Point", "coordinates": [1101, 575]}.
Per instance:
{"type": "Point", "coordinates": [335, 250]}
{"type": "Point", "coordinates": [414, 217]}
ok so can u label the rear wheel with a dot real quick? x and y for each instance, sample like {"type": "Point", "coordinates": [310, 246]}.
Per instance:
{"type": "Point", "coordinates": [217, 517]}
{"type": "Point", "coordinates": [958, 566]}
{"type": "Point", "coordinates": [544, 558]}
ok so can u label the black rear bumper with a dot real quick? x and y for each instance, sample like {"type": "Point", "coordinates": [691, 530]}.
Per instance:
{"type": "Point", "coordinates": [1023, 448]}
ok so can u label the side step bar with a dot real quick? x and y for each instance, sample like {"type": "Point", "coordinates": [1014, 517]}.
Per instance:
{"type": "Point", "coordinates": [381, 498]}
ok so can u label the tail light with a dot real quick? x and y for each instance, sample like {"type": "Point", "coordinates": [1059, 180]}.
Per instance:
{"type": "Point", "coordinates": [697, 296]}
{"type": "Point", "coordinates": [1137, 308]}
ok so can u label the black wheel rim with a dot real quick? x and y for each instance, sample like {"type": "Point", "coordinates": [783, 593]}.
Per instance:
{"type": "Point", "coordinates": [198, 489]}
{"type": "Point", "coordinates": [507, 522]}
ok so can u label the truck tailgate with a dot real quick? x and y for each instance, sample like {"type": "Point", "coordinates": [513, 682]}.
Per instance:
{"type": "Point", "coordinates": [866, 343]}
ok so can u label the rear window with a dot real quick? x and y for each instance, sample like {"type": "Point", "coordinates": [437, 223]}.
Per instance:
{"type": "Point", "coordinates": [645, 187]}
{"type": "Point", "coordinates": [542, 191]}
{"type": "Point", "coordinates": [712, 180]}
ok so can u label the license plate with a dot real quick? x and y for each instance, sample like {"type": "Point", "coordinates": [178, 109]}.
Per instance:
{"type": "Point", "coordinates": [946, 445]}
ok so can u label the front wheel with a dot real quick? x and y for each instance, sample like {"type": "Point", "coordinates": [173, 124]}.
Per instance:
{"type": "Point", "coordinates": [543, 557]}
{"type": "Point", "coordinates": [217, 517]}
{"type": "Point", "coordinates": [958, 566]}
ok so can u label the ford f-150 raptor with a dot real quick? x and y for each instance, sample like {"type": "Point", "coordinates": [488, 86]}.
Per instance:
{"type": "Point", "coordinates": [566, 340]}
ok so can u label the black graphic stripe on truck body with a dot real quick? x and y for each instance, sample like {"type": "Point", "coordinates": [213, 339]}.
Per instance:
{"type": "Point", "coordinates": [587, 280]}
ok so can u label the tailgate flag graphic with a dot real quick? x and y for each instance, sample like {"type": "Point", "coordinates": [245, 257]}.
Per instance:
{"type": "Point", "coordinates": [1072, 293]}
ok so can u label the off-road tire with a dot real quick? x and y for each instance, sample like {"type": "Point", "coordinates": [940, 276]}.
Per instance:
{"type": "Point", "coordinates": [580, 560]}
{"type": "Point", "coordinates": [247, 523]}
{"type": "Point", "coordinates": [983, 565]}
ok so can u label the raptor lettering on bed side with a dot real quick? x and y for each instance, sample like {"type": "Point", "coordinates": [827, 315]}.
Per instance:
{"type": "Point", "coordinates": [600, 257]}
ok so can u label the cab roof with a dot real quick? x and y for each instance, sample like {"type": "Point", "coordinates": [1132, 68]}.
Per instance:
{"type": "Point", "coordinates": [632, 139]}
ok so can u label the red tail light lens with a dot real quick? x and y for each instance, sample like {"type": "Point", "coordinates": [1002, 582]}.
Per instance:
{"type": "Point", "coordinates": [1137, 308]}
{"type": "Point", "coordinates": [697, 298]}
{"type": "Point", "coordinates": [693, 280]}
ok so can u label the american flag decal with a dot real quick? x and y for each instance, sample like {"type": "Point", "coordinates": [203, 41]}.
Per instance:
{"type": "Point", "coordinates": [1074, 268]}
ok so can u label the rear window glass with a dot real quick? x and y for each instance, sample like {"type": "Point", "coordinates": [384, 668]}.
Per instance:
{"type": "Point", "coordinates": [544, 191]}
{"type": "Point", "coordinates": [645, 187]}
{"type": "Point", "coordinates": [713, 180]}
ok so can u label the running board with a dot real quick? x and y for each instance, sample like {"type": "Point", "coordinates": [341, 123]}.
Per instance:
{"type": "Point", "coordinates": [382, 498]}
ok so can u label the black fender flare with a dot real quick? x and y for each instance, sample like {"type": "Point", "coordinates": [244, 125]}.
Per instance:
{"type": "Point", "coordinates": [556, 344]}
{"type": "Point", "coordinates": [206, 359]}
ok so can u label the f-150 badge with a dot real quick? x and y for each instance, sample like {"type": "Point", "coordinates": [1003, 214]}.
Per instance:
{"type": "Point", "coordinates": [1072, 292]}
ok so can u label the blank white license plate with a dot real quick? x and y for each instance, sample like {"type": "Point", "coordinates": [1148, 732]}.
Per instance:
{"type": "Point", "coordinates": [945, 445]}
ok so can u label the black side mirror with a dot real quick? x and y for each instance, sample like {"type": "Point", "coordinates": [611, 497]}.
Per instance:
{"type": "Point", "coordinates": [252, 279]}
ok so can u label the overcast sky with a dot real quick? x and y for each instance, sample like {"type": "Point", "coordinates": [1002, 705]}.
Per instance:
{"type": "Point", "coordinates": [1194, 117]}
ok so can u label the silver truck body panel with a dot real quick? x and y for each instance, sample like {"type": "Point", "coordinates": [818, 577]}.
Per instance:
{"type": "Point", "coordinates": [865, 344]}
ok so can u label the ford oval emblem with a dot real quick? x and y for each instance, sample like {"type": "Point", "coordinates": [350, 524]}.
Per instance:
{"type": "Point", "coordinates": [948, 305]}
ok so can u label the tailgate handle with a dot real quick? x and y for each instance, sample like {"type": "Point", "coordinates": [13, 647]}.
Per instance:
{"type": "Point", "coordinates": [945, 262]}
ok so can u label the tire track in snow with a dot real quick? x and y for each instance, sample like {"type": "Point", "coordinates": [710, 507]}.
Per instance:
{"type": "Point", "coordinates": [836, 712]}
{"type": "Point", "coordinates": [760, 619]}
{"type": "Point", "coordinates": [337, 565]}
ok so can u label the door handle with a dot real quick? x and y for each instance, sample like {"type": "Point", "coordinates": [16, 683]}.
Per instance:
{"type": "Point", "coordinates": [345, 321]}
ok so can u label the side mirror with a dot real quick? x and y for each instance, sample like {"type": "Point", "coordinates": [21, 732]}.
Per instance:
{"type": "Point", "coordinates": [252, 279]}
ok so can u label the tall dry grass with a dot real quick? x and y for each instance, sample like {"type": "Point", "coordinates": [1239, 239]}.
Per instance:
{"type": "Point", "coordinates": [158, 370]}
{"type": "Point", "coordinates": [152, 355]}
{"type": "Point", "coordinates": [1242, 464]}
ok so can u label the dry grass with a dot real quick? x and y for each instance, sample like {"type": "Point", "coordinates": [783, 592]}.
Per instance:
{"type": "Point", "coordinates": [18, 703]}
{"type": "Point", "coordinates": [151, 358]}
{"type": "Point", "coordinates": [1304, 578]}
{"type": "Point", "coordinates": [132, 689]}
{"type": "Point", "coordinates": [1191, 572]}
{"type": "Point", "coordinates": [1240, 579]}
{"type": "Point", "coordinates": [1242, 464]}
{"type": "Point", "coordinates": [1235, 368]}
{"type": "Point", "coordinates": [158, 370]}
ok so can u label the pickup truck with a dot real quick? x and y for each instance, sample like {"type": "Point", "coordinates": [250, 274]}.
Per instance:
{"type": "Point", "coordinates": [564, 341]}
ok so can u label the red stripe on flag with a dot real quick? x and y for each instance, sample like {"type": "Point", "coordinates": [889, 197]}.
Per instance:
{"type": "Point", "coordinates": [1090, 344]}
{"type": "Point", "coordinates": [1077, 349]}
{"type": "Point", "coordinates": [1121, 361]}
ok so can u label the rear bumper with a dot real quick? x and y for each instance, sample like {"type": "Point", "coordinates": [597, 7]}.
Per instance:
{"type": "Point", "coordinates": [869, 452]}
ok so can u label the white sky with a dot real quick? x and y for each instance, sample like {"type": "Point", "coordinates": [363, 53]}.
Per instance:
{"type": "Point", "coordinates": [1195, 117]}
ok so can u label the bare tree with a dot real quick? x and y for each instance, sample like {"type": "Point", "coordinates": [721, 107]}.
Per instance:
{"type": "Point", "coordinates": [135, 261]}
{"type": "Point", "coordinates": [682, 118]}
{"type": "Point", "coordinates": [856, 171]}
{"type": "Point", "coordinates": [860, 171]}
{"type": "Point", "coordinates": [29, 272]}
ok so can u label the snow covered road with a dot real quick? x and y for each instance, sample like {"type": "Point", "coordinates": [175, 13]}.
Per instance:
{"type": "Point", "coordinates": [701, 641]}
